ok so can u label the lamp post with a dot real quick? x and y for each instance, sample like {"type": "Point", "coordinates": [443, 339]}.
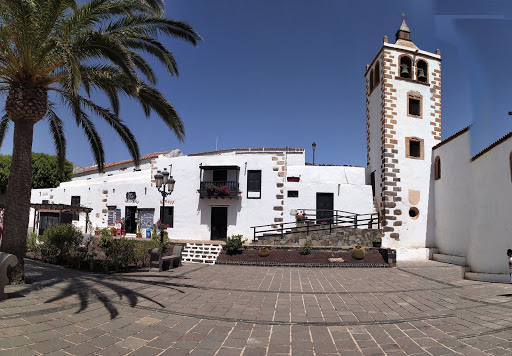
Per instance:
{"type": "Point", "coordinates": [314, 147]}
{"type": "Point", "coordinates": [162, 180]}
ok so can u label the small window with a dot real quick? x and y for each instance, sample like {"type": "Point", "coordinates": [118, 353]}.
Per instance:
{"type": "Point", "coordinates": [414, 213]}
{"type": "Point", "coordinates": [414, 102]}
{"type": "Point", "coordinates": [372, 180]}
{"type": "Point", "coordinates": [414, 107]}
{"type": "Point", "coordinates": [414, 148]}
{"type": "Point", "coordinates": [44, 202]}
{"type": "Point", "coordinates": [75, 201]}
{"type": "Point", "coordinates": [422, 71]}
{"type": "Point", "coordinates": [254, 184]}
{"type": "Point", "coordinates": [167, 215]}
{"type": "Point", "coordinates": [510, 159]}
{"type": "Point", "coordinates": [293, 194]}
{"type": "Point", "coordinates": [405, 67]}
{"type": "Point", "coordinates": [377, 74]}
{"type": "Point", "coordinates": [437, 168]}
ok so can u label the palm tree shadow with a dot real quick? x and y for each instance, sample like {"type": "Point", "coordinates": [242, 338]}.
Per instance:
{"type": "Point", "coordinates": [87, 292]}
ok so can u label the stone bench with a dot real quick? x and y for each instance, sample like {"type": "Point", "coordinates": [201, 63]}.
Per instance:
{"type": "Point", "coordinates": [158, 261]}
{"type": "Point", "coordinates": [6, 259]}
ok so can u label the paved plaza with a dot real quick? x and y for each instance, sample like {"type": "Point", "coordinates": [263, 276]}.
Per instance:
{"type": "Point", "coordinates": [419, 308]}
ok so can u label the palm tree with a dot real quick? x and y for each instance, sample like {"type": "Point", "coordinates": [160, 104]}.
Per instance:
{"type": "Point", "coordinates": [58, 49]}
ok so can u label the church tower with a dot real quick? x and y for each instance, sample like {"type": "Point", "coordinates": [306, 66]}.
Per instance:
{"type": "Point", "coordinates": [403, 123]}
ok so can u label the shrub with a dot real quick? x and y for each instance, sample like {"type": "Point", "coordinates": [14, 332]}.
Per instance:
{"type": "Point", "coordinates": [263, 252]}
{"type": "Point", "coordinates": [32, 244]}
{"type": "Point", "coordinates": [234, 244]}
{"type": "Point", "coordinates": [120, 253]}
{"type": "Point", "coordinates": [358, 253]}
{"type": "Point", "coordinates": [306, 247]}
{"type": "Point", "coordinates": [60, 240]}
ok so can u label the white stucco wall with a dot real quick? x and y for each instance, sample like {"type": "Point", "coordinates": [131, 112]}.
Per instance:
{"type": "Point", "coordinates": [491, 223]}
{"type": "Point", "coordinates": [453, 197]}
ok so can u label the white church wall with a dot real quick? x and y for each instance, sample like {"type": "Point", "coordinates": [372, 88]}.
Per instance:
{"type": "Point", "coordinates": [453, 194]}
{"type": "Point", "coordinates": [491, 225]}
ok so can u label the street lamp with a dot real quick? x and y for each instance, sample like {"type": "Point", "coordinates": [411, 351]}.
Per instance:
{"type": "Point", "coordinates": [314, 147]}
{"type": "Point", "coordinates": [162, 180]}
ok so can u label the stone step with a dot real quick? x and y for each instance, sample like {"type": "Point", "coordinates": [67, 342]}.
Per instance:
{"type": "Point", "coordinates": [201, 253]}
{"type": "Point", "coordinates": [453, 259]}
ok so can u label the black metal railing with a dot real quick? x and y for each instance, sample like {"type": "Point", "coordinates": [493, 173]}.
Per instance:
{"type": "Point", "coordinates": [315, 220]}
{"type": "Point", "coordinates": [218, 190]}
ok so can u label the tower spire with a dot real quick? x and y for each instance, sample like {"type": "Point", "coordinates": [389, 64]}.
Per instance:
{"type": "Point", "coordinates": [403, 32]}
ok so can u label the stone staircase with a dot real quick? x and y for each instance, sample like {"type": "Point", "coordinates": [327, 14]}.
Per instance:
{"type": "Point", "coordinates": [201, 253]}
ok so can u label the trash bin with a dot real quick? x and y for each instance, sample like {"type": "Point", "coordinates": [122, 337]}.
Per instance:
{"type": "Point", "coordinates": [148, 233]}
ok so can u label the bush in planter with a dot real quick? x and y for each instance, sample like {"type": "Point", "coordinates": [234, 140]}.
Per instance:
{"type": "Point", "coordinates": [358, 253]}
{"type": "Point", "coordinates": [306, 248]}
{"type": "Point", "coordinates": [234, 244]}
{"type": "Point", "coordinates": [376, 241]}
{"type": "Point", "coordinates": [60, 240]}
{"type": "Point", "coordinates": [263, 251]}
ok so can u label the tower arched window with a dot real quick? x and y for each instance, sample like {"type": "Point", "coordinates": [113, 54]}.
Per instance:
{"type": "Point", "coordinates": [371, 80]}
{"type": "Point", "coordinates": [510, 161]}
{"type": "Point", "coordinates": [377, 74]}
{"type": "Point", "coordinates": [422, 71]}
{"type": "Point", "coordinates": [437, 168]}
{"type": "Point", "coordinates": [405, 66]}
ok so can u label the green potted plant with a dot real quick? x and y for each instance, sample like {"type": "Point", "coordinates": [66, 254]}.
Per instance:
{"type": "Point", "coordinates": [301, 218]}
{"type": "Point", "coordinates": [123, 226]}
{"type": "Point", "coordinates": [139, 230]}
{"type": "Point", "coordinates": [376, 242]}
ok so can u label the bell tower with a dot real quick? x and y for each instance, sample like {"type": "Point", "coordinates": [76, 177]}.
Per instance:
{"type": "Point", "coordinates": [403, 123]}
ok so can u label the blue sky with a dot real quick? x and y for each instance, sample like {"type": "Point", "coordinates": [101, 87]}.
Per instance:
{"type": "Point", "coordinates": [277, 73]}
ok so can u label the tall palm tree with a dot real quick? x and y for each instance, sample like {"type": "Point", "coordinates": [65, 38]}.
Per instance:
{"type": "Point", "coordinates": [60, 49]}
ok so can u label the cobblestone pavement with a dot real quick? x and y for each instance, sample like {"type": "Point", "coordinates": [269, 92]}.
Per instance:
{"type": "Point", "coordinates": [419, 308]}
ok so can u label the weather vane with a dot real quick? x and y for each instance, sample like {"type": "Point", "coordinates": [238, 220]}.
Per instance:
{"type": "Point", "coordinates": [402, 15]}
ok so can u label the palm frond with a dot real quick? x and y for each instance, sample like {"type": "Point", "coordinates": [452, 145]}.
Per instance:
{"type": "Point", "coordinates": [4, 126]}
{"type": "Point", "coordinates": [57, 131]}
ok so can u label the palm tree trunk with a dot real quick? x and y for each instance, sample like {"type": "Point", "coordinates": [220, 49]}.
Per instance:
{"type": "Point", "coordinates": [17, 201]}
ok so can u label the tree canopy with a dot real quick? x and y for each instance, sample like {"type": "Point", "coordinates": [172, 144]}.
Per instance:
{"type": "Point", "coordinates": [45, 171]}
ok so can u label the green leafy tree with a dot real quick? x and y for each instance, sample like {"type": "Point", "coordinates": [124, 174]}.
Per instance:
{"type": "Point", "coordinates": [74, 50]}
{"type": "Point", "coordinates": [45, 171]}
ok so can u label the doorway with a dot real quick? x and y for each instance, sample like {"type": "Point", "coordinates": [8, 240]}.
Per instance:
{"type": "Point", "coordinates": [324, 207]}
{"type": "Point", "coordinates": [129, 218]}
{"type": "Point", "coordinates": [219, 226]}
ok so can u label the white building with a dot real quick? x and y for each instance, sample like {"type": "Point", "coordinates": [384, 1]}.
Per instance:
{"type": "Point", "coordinates": [433, 198]}
{"type": "Point", "coordinates": [264, 185]}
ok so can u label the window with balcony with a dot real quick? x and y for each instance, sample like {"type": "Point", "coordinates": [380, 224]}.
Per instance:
{"type": "Point", "coordinates": [219, 182]}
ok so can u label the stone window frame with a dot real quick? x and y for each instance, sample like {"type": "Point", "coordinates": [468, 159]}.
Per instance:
{"type": "Point", "coordinates": [408, 146]}
{"type": "Point", "coordinates": [426, 70]}
{"type": "Point", "coordinates": [437, 168]}
{"type": "Point", "coordinates": [410, 69]}
{"type": "Point", "coordinates": [415, 96]}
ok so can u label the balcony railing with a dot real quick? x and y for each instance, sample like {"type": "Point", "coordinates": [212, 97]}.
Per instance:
{"type": "Point", "coordinates": [219, 190]}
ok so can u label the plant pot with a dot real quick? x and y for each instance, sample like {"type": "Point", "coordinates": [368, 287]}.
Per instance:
{"type": "Point", "coordinates": [376, 243]}
{"type": "Point", "coordinates": [301, 223]}
{"type": "Point", "coordinates": [96, 233]}
{"type": "Point", "coordinates": [123, 233]}
{"type": "Point", "coordinates": [139, 234]}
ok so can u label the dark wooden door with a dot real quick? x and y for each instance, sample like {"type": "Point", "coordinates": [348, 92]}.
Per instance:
{"type": "Point", "coordinates": [219, 227]}
{"type": "Point", "coordinates": [47, 220]}
{"type": "Point", "coordinates": [129, 215]}
{"type": "Point", "coordinates": [324, 207]}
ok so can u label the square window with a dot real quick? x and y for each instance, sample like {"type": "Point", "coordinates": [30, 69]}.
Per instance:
{"type": "Point", "coordinates": [293, 194]}
{"type": "Point", "coordinates": [414, 148]}
{"type": "Point", "coordinates": [414, 107]}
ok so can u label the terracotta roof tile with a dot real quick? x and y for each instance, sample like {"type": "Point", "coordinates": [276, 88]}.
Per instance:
{"type": "Point", "coordinates": [108, 165]}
